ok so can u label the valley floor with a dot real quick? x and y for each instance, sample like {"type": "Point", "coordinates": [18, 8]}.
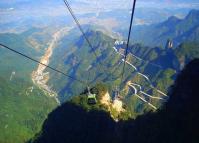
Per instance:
{"type": "Point", "coordinates": [39, 76]}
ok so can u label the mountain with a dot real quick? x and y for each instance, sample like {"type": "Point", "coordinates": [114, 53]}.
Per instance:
{"type": "Point", "coordinates": [160, 67]}
{"type": "Point", "coordinates": [152, 68]}
{"type": "Point", "coordinates": [23, 106]}
{"type": "Point", "coordinates": [176, 122]}
{"type": "Point", "coordinates": [179, 30]}
{"type": "Point", "coordinates": [78, 58]}
{"type": "Point", "coordinates": [31, 43]}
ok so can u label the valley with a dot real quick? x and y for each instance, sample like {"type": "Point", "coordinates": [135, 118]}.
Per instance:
{"type": "Point", "coordinates": [144, 95]}
{"type": "Point", "coordinates": [39, 76]}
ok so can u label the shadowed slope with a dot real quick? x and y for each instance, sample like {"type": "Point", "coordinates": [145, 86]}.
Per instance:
{"type": "Point", "coordinates": [70, 123]}
{"type": "Point", "coordinates": [176, 123]}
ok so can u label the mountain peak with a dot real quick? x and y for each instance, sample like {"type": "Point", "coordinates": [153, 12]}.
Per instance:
{"type": "Point", "coordinates": [193, 14]}
{"type": "Point", "coordinates": [173, 19]}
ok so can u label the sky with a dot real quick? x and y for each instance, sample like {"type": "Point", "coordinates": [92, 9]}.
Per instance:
{"type": "Point", "coordinates": [188, 3]}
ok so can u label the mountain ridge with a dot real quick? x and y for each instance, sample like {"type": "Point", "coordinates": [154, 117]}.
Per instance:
{"type": "Point", "coordinates": [179, 113]}
{"type": "Point", "coordinates": [174, 28]}
{"type": "Point", "coordinates": [155, 64]}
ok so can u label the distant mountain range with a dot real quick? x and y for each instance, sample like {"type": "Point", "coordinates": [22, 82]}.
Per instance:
{"type": "Point", "coordinates": [21, 15]}
{"type": "Point", "coordinates": [176, 29]}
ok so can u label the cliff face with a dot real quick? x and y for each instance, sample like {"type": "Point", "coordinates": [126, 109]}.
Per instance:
{"type": "Point", "coordinates": [177, 122]}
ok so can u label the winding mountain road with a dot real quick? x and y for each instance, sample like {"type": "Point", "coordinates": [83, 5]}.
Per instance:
{"type": "Point", "coordinates": [134, 85]}
{"type": "Point", "coordinates": [151, 105]}
{"type": "Point", "coordinates": [135, 68]}
{"type": "Point", "coordinates": [136, 91]}
{"type": "Point", "coordinates": [151, 96]}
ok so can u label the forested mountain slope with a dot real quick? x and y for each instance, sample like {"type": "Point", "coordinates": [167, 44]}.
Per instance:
{"type": "Point", "coordinates": [176, 122]}
{"type": "Point", "coordinates": [160, 65]}
{"type": "Point", "coordinates": [23, 106]}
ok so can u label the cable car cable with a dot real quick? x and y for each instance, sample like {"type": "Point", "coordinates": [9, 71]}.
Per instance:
{"type": "Point", "coordinates": [129, 35]}
{"type": "Point", "coordinates": [32, 59]}
{"type": "Point", "coordinates": [82, 31]}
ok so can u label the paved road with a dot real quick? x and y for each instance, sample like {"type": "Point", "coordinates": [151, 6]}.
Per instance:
{"type": "Point", "coordinates": [136, 91]}
{"type": "Point", "coordinates": [143, 75]}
